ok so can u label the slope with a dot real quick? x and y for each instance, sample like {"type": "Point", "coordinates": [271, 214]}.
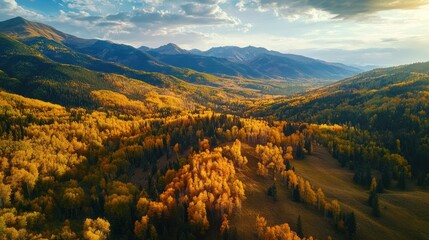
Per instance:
{"type": "Point", "coordinates": [104, 50]}
{"type": "Point", "coordinates": [211, 65]}
{"type": "Point", "coordinates": [404, 213]}
{"type": "Point", "coordinates": [278, 65]}
{"type": "Point", "coordinates": [168, 49]}
{"type": "Point", "coordinates": [39, 77]}
{"type": "Point", "coordinates": [21, 28]}
{"type": "Point", "coordinates": [236, 54]}
{"type": "Point", "coordinates": [299, 67]}
{"type": "Point", "coordinates": [27, 72]}
{"type": "Point", "coordinates": [174, 55]}
{"type": "Point", "coordinates": [392, 101]}
{"type": "Point", "coordinates": [63, 54]}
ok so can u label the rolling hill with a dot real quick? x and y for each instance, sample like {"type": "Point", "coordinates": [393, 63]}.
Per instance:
{"type": "Point", "coordinates": [36, 76]}
{"type": "Point", "coordinates": [393, 102]}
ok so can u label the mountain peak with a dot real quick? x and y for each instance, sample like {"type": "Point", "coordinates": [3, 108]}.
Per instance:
{"type": "Point", "coordinates": [170, 49]}
{"type": "Point", "coordinates": [14, 23]}
{"type": "Point", "coordinates": [19, 27]}
{"type": "Point", "coordinates": [17, 20]}
{"type": "Point", "coordinates": [237, 54]}
{"type": "Point", "coordinates": [144, 48]}
{"type": "Point", "coordinates": [171, 45]}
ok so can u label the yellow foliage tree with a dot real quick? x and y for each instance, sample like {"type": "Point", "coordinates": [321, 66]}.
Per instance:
{"type": "Point", "coordinates": [96, 229]}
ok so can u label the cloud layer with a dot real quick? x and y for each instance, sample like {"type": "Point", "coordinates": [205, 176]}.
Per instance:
{"type": "Point", "coordinates": [334, 8]}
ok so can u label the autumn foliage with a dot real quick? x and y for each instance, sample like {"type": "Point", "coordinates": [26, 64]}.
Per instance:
{"type": "Point", "coordinates": [271, 158]}
{"type": "Point", "coordinates": [276, 232]}
{"type": "Point", "coordinates": [208, 186]}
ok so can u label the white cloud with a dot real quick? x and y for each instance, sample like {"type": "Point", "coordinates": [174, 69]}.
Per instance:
{"type": "Point", "coordinates": [89, 5]}
{"type": "Point", "coordinates": [197, 9]}
{"type": "Point", "coordinates": [327, 9]}
{"type": "Point", "coordinates": [13, 9]}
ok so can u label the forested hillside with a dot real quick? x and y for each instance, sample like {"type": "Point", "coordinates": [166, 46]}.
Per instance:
{"type": "Point", "coordinates": [388, 105]}
{"type": "Point", "coordinates": [147, 177]}
{"type": "Point", "coordinates": [28, 72]}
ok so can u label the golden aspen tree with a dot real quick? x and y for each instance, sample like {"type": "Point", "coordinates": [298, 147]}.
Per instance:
{"type": "Point", "coordinates": [141, 227]}
{"type": "Point", "coordinates": [224, 226]}
{"type": "Point", "coordinates": [321, 201]}
{"type": "Point", "coordinates": [261, 224]}
{"type": "Point", "coordinates": [96, 229]}
{"type": "Point", "coordinates": [270, 157]}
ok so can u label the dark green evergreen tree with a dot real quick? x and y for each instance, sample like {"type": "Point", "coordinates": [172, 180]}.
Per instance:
{"type": "Point", "coordinates": [401, 180]}
{"type": "Point", "coordinates": [295, 194]}
{"type": "Point", "coordinates": [299, 227]}
{"type": "Point", "coordinates": [351, 226]}
{"type": "Point", "coordinates": [299, 151]}
{"type": "Point", "coordinates": [380, 186]}
{"type": "Point", "coordinates": [386, 177]}
{"type": "Point", "coordinates": [308, 146]}
{"type": "Point", "coordinates": [375, 206]}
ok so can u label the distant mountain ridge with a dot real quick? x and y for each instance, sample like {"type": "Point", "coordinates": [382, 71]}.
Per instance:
{"type": "Point", "coordinates": [169, 49]}
{"type": "Point", "coordinates": [236, 54]}
{"type": "Point", "coordinates": [255, 62]}
{"type": "Point", "coordinates": [105, 50]}
{"type": "Point", "coordinates": [249, 62]}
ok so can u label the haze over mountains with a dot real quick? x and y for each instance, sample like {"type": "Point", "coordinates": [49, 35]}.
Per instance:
{"type": "Point", "coordinates": [252, 62]}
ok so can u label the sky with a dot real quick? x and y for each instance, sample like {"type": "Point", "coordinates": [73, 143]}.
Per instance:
{"type": "Point", "coordinates": [362, 32]}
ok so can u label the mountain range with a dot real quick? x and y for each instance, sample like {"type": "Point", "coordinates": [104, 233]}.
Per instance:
{"type": "Point", "coordinates": [253, 62]}
{"type": "Point", "coordinates": [217, 67]}
{"type": "Point", "coordinates": [108, 51]}
{"type": "Point", "coordinates": [250, 61]}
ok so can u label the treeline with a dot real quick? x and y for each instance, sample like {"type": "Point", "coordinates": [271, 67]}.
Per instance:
{"type": "Point", "coordinates": [361, 151]}
{"type": "Point", "coordinates": [273, 162]}
{"type": "Point", "coordinates": [281, 232]}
